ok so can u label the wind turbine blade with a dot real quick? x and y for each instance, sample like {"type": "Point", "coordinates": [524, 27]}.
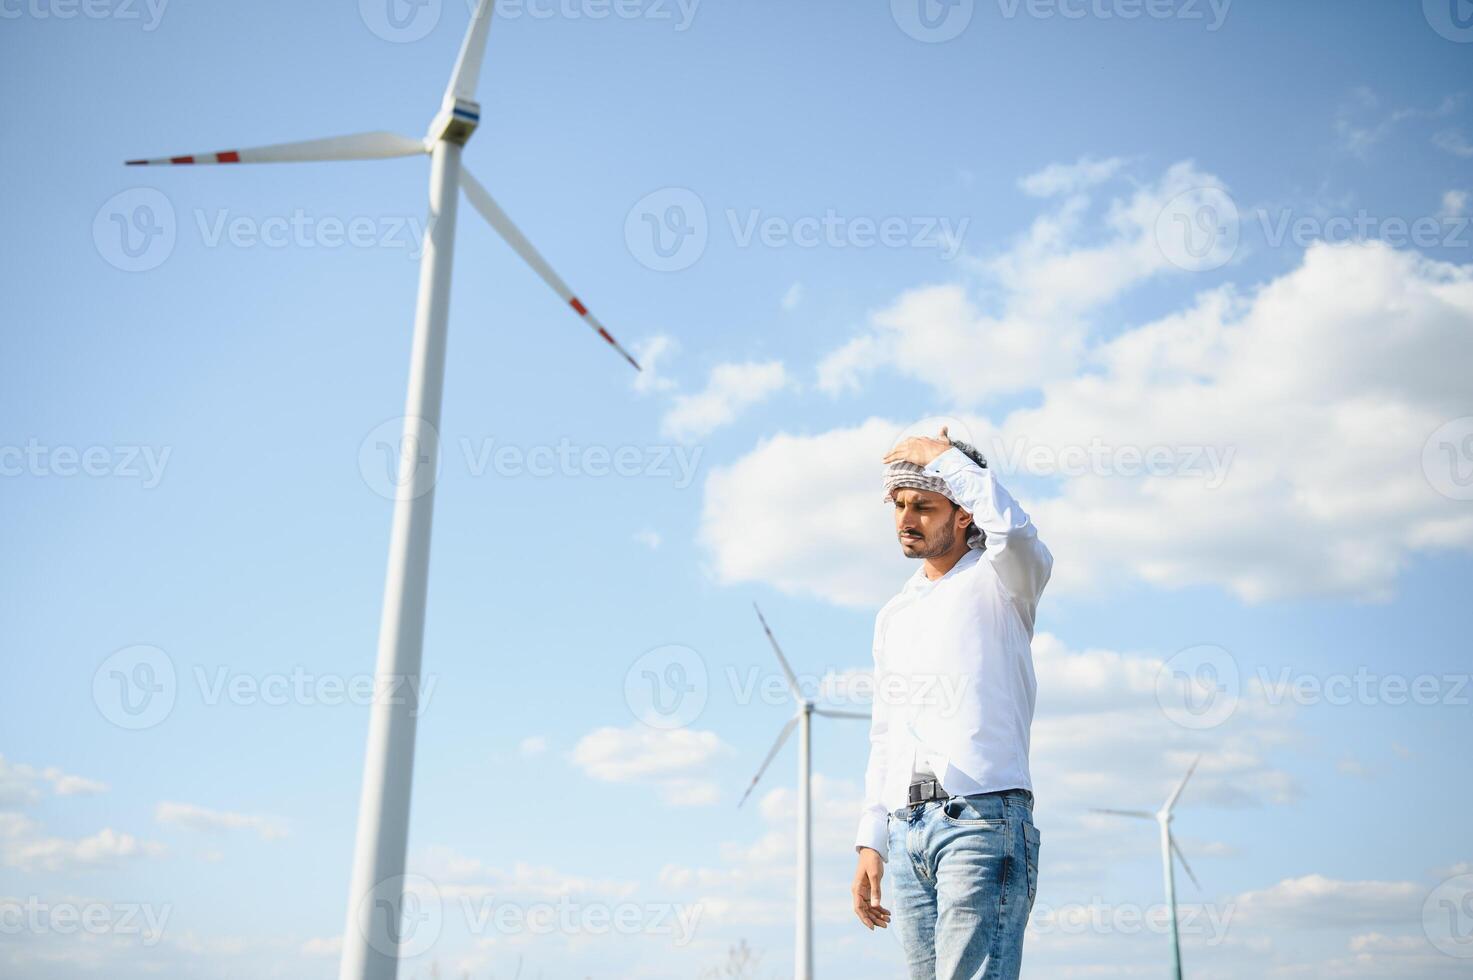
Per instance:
{"type": "Point", "coordinates": [467, 73]}
{"type": "Point", "coordinates": [1176, 794]}
{"type": "Point", "coordinates": [358, 146]}
{"type": "Point", "coordinates": [1125, 813]}
{"type": "Point", "coordinates": [782, 737]}
{"type": "Point", "coordinates": [835, 713]}
{"type": "Point", "coordinates": [1183, 859]}
{"type": "Point", "coordinates": [491, 211]}
{"type": "Point", "coordinates": [787, 671]}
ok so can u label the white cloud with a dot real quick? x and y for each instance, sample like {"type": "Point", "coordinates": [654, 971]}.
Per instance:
{"type": "Point", "coordinates": [65, 784]}
{"type": "Point", "coordinates": [1454, 204]}
{"type": "Point", "coordinates": [1349, 765]}
{"type": "Point", "coordinates": [20, 784]}
{"type": "Point", "coordinates": [1362, 123]}
{"type": "Point", "coordinates": [1453, 141]}
{"type": "Point", "coordinates": [24, 847]}
{"type": "Point", "coordinates": [199, 818]}
{"type": "Point", "coordinates": [323, 946]}
{"type": "Point", "coordinates": [1039, 299]}
{"type": "Point", "coordinates": [729, 390]}
{"type": "Point", "coordinates": [792, 297]}
{"type": "Point", "coordinates": [1317, 902]}
{"type": "Point", "coordinates": [678, 760]}
{"type": "Point", "coordinates": [647, 537]}
{"type": "Point", "coordinates": [651, 355]}
{"type": "Point", "coordinates": [459, 875]}
{"type": "Point", "coordinates": [1070, 178]}
{"type": "Point", "coordinates": [532, 745]}
{"type": "Point", "coordinates": [803, 513]}
{"type": "Point", "coordinates": [17, 784]}
{"type": "Point", "coordinates": [1292, 420]}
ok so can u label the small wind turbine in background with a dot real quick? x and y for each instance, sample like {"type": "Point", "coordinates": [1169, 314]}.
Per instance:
{"type": "Point", "coordinates": [1168, 848]}
{"type": "Point", "coordinates": [803, 948]}
{"type": "Point", "coordinates": [372, 939]}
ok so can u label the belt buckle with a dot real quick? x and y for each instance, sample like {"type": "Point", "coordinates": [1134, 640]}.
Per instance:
{"type": "Point", "coordinates": [924, 791]}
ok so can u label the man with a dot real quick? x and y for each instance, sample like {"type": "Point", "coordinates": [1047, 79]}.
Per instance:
{"type": "Point", "coordinates": [948, 798]}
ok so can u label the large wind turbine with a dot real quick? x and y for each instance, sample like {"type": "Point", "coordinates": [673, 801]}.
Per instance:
{"type": "Point", "coordinates": [803, 949]}
{"type": "Point", "coordinates": [372, 939]}
{"type": "Point", "coordinates": [1168, 848]}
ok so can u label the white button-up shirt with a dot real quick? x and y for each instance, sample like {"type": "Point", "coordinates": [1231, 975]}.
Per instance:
{"type": "Point", "coordinates": [954, 678]}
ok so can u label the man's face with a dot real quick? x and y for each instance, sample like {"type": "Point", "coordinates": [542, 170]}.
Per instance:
{"type": "Point", "coordinates": [927, 523]}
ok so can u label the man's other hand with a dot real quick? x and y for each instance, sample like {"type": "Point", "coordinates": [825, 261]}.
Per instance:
{"type": "Point", "coordinates": [919, 449]}
{"type": "Point", "coordinates": [866, 890]}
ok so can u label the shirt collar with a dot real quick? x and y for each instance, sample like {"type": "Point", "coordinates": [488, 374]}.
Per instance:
{"type": "Point", "coordinates": [919, 582]}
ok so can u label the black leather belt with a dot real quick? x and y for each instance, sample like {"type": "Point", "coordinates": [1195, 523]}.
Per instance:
{"type": "Point", "coordinates": [926, 789]}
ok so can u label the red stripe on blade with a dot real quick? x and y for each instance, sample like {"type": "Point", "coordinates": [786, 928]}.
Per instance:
{"type": "Point", "coordinates": [181, 159]}
{"type": "Point", "coordinates": [229, 156]}
{"type": "Point", "coordinates": [575, 304]}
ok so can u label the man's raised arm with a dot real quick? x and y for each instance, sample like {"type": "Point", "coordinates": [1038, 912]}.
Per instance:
{"type": "Point", "coordinates": [1022, 561]}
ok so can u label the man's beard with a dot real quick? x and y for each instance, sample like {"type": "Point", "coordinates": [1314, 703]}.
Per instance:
{"type": "Point", "coordinates": [939, 544]}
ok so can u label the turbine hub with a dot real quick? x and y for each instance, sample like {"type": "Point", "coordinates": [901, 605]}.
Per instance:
{"type": "Point", "coordinates": [455, 122]}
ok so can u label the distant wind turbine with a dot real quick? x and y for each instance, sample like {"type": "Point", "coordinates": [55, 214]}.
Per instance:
{"type": "Point", "coordinates": [372, 938]}
{"type": "Point", "coordinates": [1168, 848]}
{"type": "Point", "coordinates": [803, 949]}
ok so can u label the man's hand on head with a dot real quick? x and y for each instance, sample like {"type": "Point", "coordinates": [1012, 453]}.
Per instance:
{"type": "Point", "coordinates": [920, 450]}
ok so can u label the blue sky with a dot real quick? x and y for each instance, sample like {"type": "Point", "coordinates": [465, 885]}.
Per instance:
{"type": "Point", "coordinates": [1231, 235]}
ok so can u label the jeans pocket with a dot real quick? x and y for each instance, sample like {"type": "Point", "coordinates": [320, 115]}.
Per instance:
{"type": "Point", "coordinates": [964, 811]}
{"type": "Point", "coordinates": [1031, 841]}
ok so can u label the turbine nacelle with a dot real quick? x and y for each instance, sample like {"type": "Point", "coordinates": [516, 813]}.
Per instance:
{"type": "Point", "coordinates": [455, 122]}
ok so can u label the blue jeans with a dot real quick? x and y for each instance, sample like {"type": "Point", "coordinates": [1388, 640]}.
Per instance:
{"type": "Point", "coordinates": [963, 873]}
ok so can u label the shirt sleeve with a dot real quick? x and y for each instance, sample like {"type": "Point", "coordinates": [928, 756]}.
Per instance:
{"type": "Point", "coordinates": [1022, 561]}
{"type": "Point", "coordinates": [874, 818]}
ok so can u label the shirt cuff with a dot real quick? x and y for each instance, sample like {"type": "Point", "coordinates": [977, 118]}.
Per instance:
{"type": "Point", "coordinates": [874, 832]}
{"type": "Point", "coordinates": [950, 462]}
